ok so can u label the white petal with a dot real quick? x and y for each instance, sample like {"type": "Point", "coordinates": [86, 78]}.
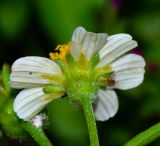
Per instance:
{"type": "Point", "coordinates": [128, 61]}
{"type": "Point", "coordinates": [30, 102]}
{"type": "Point", "coordinates": [128, 71]}
{"type": "Point", "coordinates": [107, 105]}
{"type": "Point", "coordinates": [87, 42]}
{"type": "Point", "coordinates": [116, 46]}
{"type": "Point", "coordinates": [30, 72]}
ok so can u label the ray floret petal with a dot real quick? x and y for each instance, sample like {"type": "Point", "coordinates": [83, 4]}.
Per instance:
{"type": "Point", "coordinates": [33, 71]}
{"type": "Point", "coordinates": [29, 102]}
{"type": "Point", "coordinates": [33, 74]}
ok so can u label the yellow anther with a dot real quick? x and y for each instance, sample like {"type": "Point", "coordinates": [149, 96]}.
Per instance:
{"type": "Point", "coordinates": [63, 50]}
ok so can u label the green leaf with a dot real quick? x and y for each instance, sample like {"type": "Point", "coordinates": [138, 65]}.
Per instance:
{"type": "Point", "coordinates": [146, 136]}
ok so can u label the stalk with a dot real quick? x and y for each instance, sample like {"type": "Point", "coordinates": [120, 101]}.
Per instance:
{"type": "Point", "coordinates": [90, 119]}
{"type": "Point", "coordinates": [37, 134]}
{"type": "Point", "coordinates": [145, 137]}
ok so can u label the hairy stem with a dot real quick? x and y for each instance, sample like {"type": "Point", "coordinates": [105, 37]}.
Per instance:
{"type": "Point", "coordinates": [88, 111]}
{"type": "Point", "coordinates": [37, 134]}
{"type": "Point", "coordinates": [145, 137]}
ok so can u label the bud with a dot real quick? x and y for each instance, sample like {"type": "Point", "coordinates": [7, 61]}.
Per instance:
{"type": "Point", "coordinates": [9, 122]}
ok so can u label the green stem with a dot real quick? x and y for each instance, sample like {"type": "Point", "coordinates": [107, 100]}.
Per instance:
{"type": "Point", "coordinates": [5, 77]}
{"type": "Point", "coordinates": [145, 137]}
{"type": "Point", "coordinates": [37, 134]}
{"type": "Point", "coordinates": [90, 119]}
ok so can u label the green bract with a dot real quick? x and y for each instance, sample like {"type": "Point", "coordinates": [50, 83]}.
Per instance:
{"type": "Point", "coordinates": [80, 77]}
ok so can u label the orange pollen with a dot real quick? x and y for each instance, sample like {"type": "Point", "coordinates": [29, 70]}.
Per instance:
{"type": "Point", "coordinates": [62, 52]}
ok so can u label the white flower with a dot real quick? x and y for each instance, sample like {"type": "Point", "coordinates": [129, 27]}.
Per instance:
{"type": "Point", "coordinates": [115, 70]}
{"type": "Point", "coordinates": [38, 120]}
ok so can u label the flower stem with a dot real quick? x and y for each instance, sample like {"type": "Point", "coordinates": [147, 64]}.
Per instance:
{"type": "Point", "coordinates": [88, 111]}
{"type": "Point", "coordinates": [5, 78]}
{"type": "Point", "coordinates": [145, 137]}
{"type": "Point", "coordinates": [37, 134]}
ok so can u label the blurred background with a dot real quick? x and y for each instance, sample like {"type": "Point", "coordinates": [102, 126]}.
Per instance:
{"type": "Point", "coordinates": [34, 28]}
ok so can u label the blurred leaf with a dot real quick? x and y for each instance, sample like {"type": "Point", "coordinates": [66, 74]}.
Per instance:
{"type": "Point", "coordinates": [1, 134]}
{"type": "Point", "coordinates": [146, 26]}
{"type": "Point", "coordinates": [12, 18]}
{"type": "Point", "coordinates": [67, 122]}
{"type": "Point", "coordinates": [122, 135]}
{"type": "Point", "coordinates": [60, 17]}
{"type": "Point", "coordinates": [153, 51]}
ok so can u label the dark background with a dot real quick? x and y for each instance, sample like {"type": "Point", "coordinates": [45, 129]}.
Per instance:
{"type": "Point", "coordinates": [34, 28]}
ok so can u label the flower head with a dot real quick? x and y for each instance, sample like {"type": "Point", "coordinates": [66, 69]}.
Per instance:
{"type": "Point", "coordinates": [90, 66]}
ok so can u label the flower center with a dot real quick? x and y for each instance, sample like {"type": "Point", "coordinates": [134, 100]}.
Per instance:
{"type": "Point", "coordinates": [61, 53]}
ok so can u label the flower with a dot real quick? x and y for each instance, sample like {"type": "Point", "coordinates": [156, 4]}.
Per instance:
{"type": "Point", "coordinates": [38, 120]}
{"type": "Point", "coordinates": [90, 66]}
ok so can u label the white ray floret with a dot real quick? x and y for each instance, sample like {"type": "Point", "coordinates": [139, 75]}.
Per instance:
{"type": "Point", "coordinates": [128, 71]}
{"type": "Point", "coordinates": [28, 72]}
{"type": "Point", "coordinates": [87, 43]}
{"type": "Point", "coordinates": [107, 105]}
{"type": "Point", "coordinates": [29, 102]}
{"type": "Point", "coordinates": [116, 46]}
